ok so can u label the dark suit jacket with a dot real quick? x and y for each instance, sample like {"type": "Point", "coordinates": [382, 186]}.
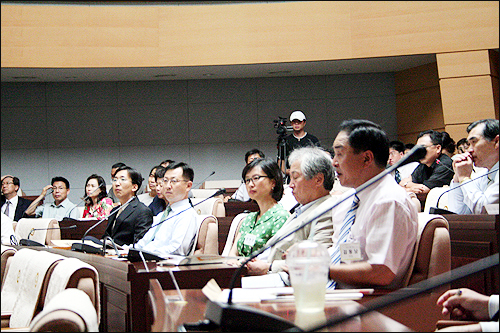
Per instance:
{"type": "Point", "coordinates": [22, 205]}
{"type": "Point", "coordinates": [132, 223]}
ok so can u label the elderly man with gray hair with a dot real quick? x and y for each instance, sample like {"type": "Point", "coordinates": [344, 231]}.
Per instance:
{"type": "Point", "coordinates": [311, 180]}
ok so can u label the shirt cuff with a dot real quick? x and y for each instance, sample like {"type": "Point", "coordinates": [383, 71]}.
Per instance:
{"type": "Point", "coordinates": [493, 305]}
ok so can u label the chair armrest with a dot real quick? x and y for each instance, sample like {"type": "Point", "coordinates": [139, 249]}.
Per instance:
{"type": "Point", "coordinates": [446, 323]}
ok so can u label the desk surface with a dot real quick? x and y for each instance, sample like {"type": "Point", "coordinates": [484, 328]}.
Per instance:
{"type": "Point", "coordinates": [194, 310]}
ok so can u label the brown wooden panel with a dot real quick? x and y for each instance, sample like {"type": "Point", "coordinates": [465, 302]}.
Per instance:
{"type": "Point", "coordinates": [81, 228]}
{"type": "Point", "coordinates": [416, 78]}
{"type": "Point", "coordinates": [419, 111]}
{"type": "Point", "coordinates": [233, 208]}
{"type": "Point", "coordinates": [467, 99]}
{"type": "Point", "coordinates": [460, 64]}
{"type": "Point", "coordinates": [241, 33]}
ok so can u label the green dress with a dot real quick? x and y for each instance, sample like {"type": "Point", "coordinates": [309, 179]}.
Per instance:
{"type": "Point", "coordinates": [262, 230]}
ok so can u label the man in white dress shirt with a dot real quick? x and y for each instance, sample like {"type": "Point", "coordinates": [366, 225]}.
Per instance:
{"type": "Point", "coordinates": [473, 196]}
{"type": "Point", "coordinates": [384, 230]}
{"type": "Point", "coordinates": [177, 233]}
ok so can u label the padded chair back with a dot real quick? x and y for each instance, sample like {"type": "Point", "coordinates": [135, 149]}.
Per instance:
{"type": "Point", "coordinates": [7, 252]}
{"type": "Point", "coordinates": [71, 310]}
{"type": "Point", "coordinates": [212, 206]}
{"type": "Point", "coordinates": [432, 254]}
{"type": "Point", "coordinates": [207, 238]}
{"type": "Point", "coordinates": [24, 229]}
{"type": "Point", "coordinates": [233, 231]}
{"type": "Point", "coordinates": [433, 196]}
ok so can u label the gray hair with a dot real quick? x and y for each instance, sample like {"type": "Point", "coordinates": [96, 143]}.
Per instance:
{"type": "Point", "coordinates": [314, 160]}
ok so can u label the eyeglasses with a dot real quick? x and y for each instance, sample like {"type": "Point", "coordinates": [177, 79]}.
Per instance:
{"type": "Point", "coordinates": [427, 147]}
{"type": "Point", "coordinates": [8, 183]}
{"type": "Point", "coordinates": [254, 179]}
{"type": "Point", "coordinates": [173, 181]}
{"type": "Point", "coordinates": [121, 180]}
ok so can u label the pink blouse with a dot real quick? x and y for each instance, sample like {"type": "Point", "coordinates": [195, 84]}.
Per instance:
{"type": "Point", "coordinates": [102, 209]}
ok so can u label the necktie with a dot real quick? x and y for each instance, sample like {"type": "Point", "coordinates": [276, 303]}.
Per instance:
{"type": "Point", "coordinates": [7, 209]}
{"type": "Point", "coordinates": [163, 218]}
{"type": "Point", "coordinates": [344, 233]}
{"type": "Point", "coordinates": [397, 176]}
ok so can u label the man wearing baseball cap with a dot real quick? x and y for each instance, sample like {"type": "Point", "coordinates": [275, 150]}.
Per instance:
{"type": "Point", "coordinates": [299, 137]}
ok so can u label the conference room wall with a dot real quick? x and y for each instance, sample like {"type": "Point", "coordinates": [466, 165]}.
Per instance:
{"type": "Point", "coordinates": [74, 129]}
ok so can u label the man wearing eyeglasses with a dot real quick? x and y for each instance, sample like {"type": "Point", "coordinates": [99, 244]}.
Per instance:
{"type": "Point", "coordinates": [12, 204]}
{"type": "Point", "coordinates": [435, 169]}
{"type": "Point", "coordinates": [61, 207]}
{"type": "Point", "coordinates": [128, 221]}
{"type": "Point", "coordinates": [174, 231]}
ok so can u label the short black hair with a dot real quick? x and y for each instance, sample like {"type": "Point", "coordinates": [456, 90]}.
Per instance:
{"type": "Point", "coordinates": [117, 165]}
{"type": "Point", "coordinates": [366, 135]}
{"type": "Point", "coordinates": [60, 179]}
{"type": "Point", "coordinates": [397, 145]}
{"type": "Point", "coordinates": [254, 151]}
{"type": "Point", "coordinates": [448, 142]}
{"type": "Point", "coordinates": [490, 130]}
{"type": "Point", "coordinates": [435, 136]}
{"type": "Point", "coordinates": [160, 172]}
{"type": "Point", "coordinates": [462, 141]}
{"type": "Point", "coordinates": [409, 145]}
{"type": "Point", "coordinates": [187, 171]}
{"type": "Point", "coordinates": [272, 170]}
{"type": "Point", "coordinates": [134, 175]}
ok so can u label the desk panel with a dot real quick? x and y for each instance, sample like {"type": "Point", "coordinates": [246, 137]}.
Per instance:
{"type": "Point", "coordinates": [124, 286]}
{"type": "Point", "coordinates": [81, 228]}
{"type": "Point", "coordinates": [233, 208]}
{"type": "Point", "coordinates": [474, 237]}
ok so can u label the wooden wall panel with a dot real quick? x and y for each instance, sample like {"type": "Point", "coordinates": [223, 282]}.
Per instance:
{"type": "Point", "coordinates": [467, 98]}
{"type": "Point", "coordinates": [418, 101]}
{"type": "Point", "coordinates": [461, 64]}
{"type": "Point", "coordinates": [457, 131]}
{"type": "Point", "coordinates": [166, 35]}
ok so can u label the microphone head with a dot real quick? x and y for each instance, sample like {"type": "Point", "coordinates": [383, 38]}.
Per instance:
{"type": "Point", "coordinates": [420, 152]}
{"type": "Point", "coordinates": [219, 192]}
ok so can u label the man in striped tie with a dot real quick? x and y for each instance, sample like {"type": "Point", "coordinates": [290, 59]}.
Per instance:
{"type": "Point", "coordinates": [375, 230]}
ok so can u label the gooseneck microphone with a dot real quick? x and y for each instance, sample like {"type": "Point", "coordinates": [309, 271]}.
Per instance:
{"type": "Point", "coordinates": [133, 253]}
{"type": "Point", "coordinates": [437, 210]}
{"type": "Point", "coordinates": [233, 317]}
{"type": "Point", "coordinates": [438, 162]}
{"type": "Point", "coordinates": [30, 242]}
{"type": "Point", "coordinates": [210, 175]}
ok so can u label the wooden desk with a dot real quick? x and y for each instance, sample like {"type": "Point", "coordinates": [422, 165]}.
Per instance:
{"type": "Point", "coordinates": [124, 286]}
{"type": "Point", "coordinates": [194, 310]}
{"type": "Point", "coordinates": [474, 237]}
{"type": "Point", "coordinates": [233, 208]}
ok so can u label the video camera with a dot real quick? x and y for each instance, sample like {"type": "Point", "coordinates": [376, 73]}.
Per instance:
{"type": "Point", "coordinates": [280, 125]}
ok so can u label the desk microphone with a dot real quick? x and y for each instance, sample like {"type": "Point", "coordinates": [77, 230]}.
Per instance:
{"type": "Point", "coordinates": [133, 253]}
{"type": "Point", "coordinates": [438, 161]}
{"type": "Point", "coordinates": [416, 289]}
{"type": "Point", "coordinates": [30, 242]}
{"type": "Point", "coordinates": [437, 210]}
{"type": "Point", "coordinates": [82, 247]}
{"type": "Point", "coordinates": [210, 175]}
{"type": "Point", "coordinates": [238, 317]}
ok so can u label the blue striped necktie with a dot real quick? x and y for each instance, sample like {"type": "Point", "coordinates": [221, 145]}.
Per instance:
{"type": "Point", "coordinates": [344, 234]}
{"type": "Point", "coordinates": [397, 176]}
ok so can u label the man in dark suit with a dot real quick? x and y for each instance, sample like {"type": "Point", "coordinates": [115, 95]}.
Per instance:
{"type": "Point", "coordinates": [11, 204]}
{"type": "Point", "coordinates": [131, 219]}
